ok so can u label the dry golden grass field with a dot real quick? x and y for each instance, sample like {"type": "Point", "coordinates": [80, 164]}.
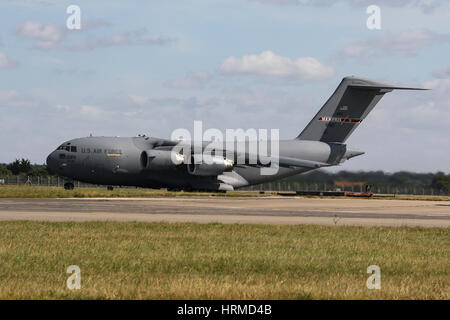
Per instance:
{"type": "Point", "coordinates": [221, 261]}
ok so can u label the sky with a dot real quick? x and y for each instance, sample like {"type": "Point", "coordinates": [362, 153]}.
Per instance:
{"type": "Point", "coordinates": [150, 67]}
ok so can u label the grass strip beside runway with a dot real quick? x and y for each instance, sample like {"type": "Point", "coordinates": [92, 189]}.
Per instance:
{"type": "Point", "coordinates": [59, 192]}
{"type": "Point", "coordinates": [11, 191]}
{"type": "Point", "coordinates": [218, 261]}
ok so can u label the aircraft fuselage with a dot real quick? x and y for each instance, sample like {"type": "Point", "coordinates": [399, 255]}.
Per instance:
{"type": "Point", "coordinates": [117, 161]}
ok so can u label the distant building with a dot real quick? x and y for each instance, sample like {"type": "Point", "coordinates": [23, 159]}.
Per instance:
{"type": "Point", "coordinates": [341, 185]}
{"type": "Point", "coordinates": [344, 184]}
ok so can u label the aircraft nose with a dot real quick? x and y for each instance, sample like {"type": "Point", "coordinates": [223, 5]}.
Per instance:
{"type": "Point", "coordinates": [51, 162]}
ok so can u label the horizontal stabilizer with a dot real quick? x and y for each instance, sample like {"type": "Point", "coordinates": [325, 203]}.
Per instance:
{"type": "Point", "coordinates": [388, 87]}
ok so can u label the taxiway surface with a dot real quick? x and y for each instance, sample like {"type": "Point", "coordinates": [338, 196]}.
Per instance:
{"type": "Point", "coordinates": [272, 210]}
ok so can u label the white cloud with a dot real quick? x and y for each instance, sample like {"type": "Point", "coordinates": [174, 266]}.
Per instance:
{"type": "Point", "coordinates": [13, 99]}
{"type": "Point", "coordinates": [442, 73]}
{"type": "Point", "coordinates": [95, 24]}
{"type": "Point", "coordinates": [85, 111]}
{"type": "Point", "coordinates": [49, 36]}
{"type": "Point", "coordinates": [91, 111]}
{"type": "Point", "coordinates": [33, 3]}
{"type": "Point", "coordinates": [192, 80]}
{"type": "Point", "coordinates": [45, 35]}
{"type": "Point", "coordinates": [353, 50]}
{"type": "Point", "coordinates": [139, 100]}
{"type": "Point", "coordinates": [72, 71]}
{"type": "Point", "coordinates": [6, 62]}
{"type": "Point", "coordinates": [406, 43]}
{"type": "Point", "coordinates": [128, 38]}
{"type": "Point", "coordinates": [440, 85]}
{"type": "Point", "coordinates": [269, 64]}
{"type": "Point", "coordinates": [409, 42]}
{"type": "Point", "coordinates": [63, 107]}
{"type": "Point", "coordinates": [425, 5]}
{"type": "Point", "coordinates": [431, 114]}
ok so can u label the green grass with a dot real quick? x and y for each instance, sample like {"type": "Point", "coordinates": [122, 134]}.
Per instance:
{"type": "Point", "coordinates": [218, 261]}
{"type": "Point", "coordinates": [59, 192]}
{"type": "Point", "coordinates": [414, 197]}
{"type": "Point", "coordinates": [11, 191]}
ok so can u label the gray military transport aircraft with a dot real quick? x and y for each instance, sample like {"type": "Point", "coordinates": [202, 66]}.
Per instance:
{"type": "Point", "coordinates": [149, 162]}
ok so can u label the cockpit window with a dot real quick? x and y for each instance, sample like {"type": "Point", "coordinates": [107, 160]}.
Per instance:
{"type": "Point", "coordinates": [67, 148]}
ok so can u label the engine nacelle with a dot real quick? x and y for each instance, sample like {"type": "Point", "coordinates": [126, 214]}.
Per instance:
{"type": "Point", "coordinates": [160, 159]}
{"type": "Point", "coordinates": [216, 166]}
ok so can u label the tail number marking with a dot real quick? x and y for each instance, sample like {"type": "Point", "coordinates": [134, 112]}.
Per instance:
{"type": "Point", "coordinates": [340, 120]}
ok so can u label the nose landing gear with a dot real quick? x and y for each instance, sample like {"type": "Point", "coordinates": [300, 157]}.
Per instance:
{"type": "Point", "coordinates": [69, 186]}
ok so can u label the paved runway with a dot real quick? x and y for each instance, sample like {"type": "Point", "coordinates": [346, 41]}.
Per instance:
{"type": "Point", "coordinates": [272, 210]}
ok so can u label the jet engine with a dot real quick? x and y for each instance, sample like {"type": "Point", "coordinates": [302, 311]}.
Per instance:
{"type": "Point", "coordinates": [160, 159]}
{"type": "Point", "coordinates": [214, 167]}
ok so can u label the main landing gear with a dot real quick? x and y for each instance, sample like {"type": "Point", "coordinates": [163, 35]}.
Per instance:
{"type": "Point", "coordinates": [110, 188]}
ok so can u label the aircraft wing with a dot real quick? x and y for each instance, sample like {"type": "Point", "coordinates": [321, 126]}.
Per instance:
{"type": "Point", "coordinates": [258, 161]}
{"type": "Point", "coordinates": [286, 162]}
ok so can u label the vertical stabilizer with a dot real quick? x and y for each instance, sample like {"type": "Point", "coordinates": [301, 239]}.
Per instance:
{"type": "Point", "coordinates": [347, 107]}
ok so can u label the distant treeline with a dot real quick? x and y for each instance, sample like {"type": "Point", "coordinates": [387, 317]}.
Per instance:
{"type": "Point", "coordinates": [401, 179]}
{"type": "Point", "coordinates": [23, 167]}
